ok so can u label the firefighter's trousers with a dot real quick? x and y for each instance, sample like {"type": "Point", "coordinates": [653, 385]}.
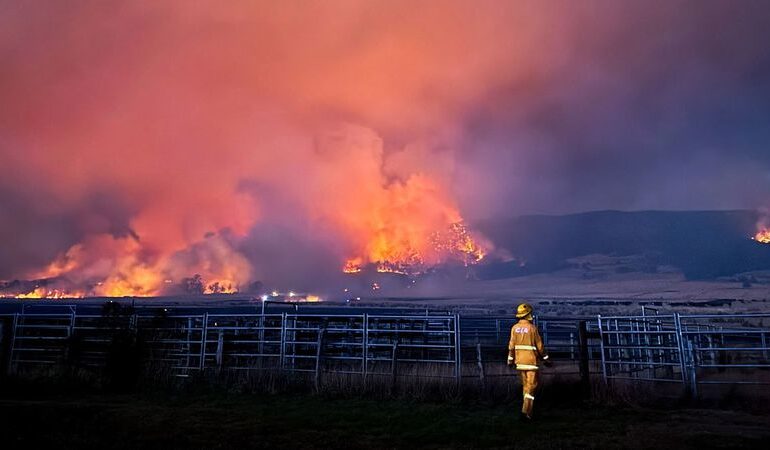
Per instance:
{"type": "Point", "coordinates": [529, 380]}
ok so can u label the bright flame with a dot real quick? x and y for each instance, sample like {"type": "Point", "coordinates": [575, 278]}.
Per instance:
{"type": "Point", "coordinates": [352, 265]}
{"type": "Point", "coordinates": [403, 257]}
{"type": "Point", "coordinates": [105, 266]}
{"type": "Point", "coordinates": [43, 292]}
{"type": "Point", "coordinates": [763, 236]}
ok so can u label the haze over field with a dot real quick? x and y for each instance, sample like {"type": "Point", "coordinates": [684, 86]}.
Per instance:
{"type": "Point", "coordinates": [144, 142]}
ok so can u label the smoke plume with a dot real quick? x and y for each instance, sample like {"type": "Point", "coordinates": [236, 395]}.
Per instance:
{"type": "Point", "coordinates": [144, 142]}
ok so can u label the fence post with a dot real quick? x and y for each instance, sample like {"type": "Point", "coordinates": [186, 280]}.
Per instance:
{"type": "Point", "coordinates": [693, 378]}
{"type": "Point", "coordinates": [70, 338]}
{"type": "Point", "coordinates": [681, 347]}
{"type": "Point", "coordinates": [12, 345]}
{"type": "Point", "coordinates": [458, 349]}
{"type": "Point", "coordinates": [480, 363]}
{"type": "Point", "coordinates": [318, 355]}
{"type": "Point", "coordinates": [283, 340]}
{"type": "Point", "coordinates": [585, 380]}
{"type": "Point", "coordinates": [365, 352]}
{"type": "Point", "coordinates": [601, 349]}
{"type": "Point", "coordinates": [393, 367]}
{"type": "Point", "coordinates": [261, 335]}
{"type": "Point", "coordinates": [204, 336]}
{"type": "Point", "coordinates": [220, 349]}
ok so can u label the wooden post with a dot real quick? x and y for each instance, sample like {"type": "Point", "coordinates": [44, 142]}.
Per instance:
{"type": "Point", "coordinates": [318, 355]}
{"type": "Point", "coordinates": [480, 363]}
{"type": "Point", "coordinates": [585, 377]}
{"type": "Point", "coordinates": [220, 349]}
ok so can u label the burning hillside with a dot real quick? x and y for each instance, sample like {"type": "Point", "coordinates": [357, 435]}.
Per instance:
{"type": "Point", "coordinates": [762, 236]}
{"type": "Point", "coordinates": [455, 244]}
{"type": "Point", "coordinates": [188, 158]}
{"type": "Point", "coordinates": [403, 221]}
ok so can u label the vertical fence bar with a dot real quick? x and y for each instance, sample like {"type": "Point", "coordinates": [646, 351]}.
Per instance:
{"type": "Point", "coordinates": [601, 348]}
{"type": "Point", "coordinates": [220, 349]}
{"type": "Point", "coordinates": [394, 366]}
{"type": "Point", "coordinates": [458, 354]}
{"type": "Point", "coordinates": [188, 343]}
{"type": "Point", "coordinates": [261, 334]}
{"type": "Point", "coordinates": [585, 379]}
{"type": "Point", "coordinates": [14, 330]}
{"type": "Point", "coordinates": [204, 336]}
{"type": "Point", "coordinates": [692, 364]}
{"type": "Point", "coordinates": [480, 363]}
{"type": "Point", "coordinates": [283, 340]}
{"type": "Point", "coordinates": [318, 356]}
{"type": "Point", "coordinates": [681, 346]}
{"type": "Point", "coordinates": [365, 340]}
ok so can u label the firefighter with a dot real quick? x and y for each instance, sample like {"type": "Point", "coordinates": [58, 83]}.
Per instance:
{"type": "Point", "coordinates": [524, 350]}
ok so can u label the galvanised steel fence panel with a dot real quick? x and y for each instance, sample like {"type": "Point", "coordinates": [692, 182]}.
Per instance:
{"type": "Point", "coordinates": [727, 348]}
{"type": "Point", "coordinates": [40, 339]}
{"type": "Point", "coordinates": [693, 350]}
{"type": "Point", "coordinates": [645, 348]}
{"type": "Point", "coordinates": [356, 344]}
{"type": "Point", "coordinates": [243, 341]}
{"type": "Point", "coordinates": [560, 334]}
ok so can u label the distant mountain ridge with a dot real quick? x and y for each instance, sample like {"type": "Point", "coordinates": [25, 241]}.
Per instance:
{"type": "Point", "coordinates": [703, 244]}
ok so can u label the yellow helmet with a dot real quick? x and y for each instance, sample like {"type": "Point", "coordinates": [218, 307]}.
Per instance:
{"type": "Point", "coordinates": [524, 310]}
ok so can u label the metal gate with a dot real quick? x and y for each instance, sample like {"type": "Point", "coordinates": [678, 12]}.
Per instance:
{"type": "Point", "coordinates": [645, 348]}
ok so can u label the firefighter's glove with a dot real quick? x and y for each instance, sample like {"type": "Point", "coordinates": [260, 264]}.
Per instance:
{"type": "Point", "coordinates": [510, 360]}
{"type": "Point", "coordinates": [547, 361]}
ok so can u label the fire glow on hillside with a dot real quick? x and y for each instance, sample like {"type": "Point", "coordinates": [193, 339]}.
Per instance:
{"type": "Point", "coordinates": [763, 236]}
{"type": "Point", "coordinates": [414, 254]}
{"type": "Point", "coordinates": [402, 227]}
{"type": "Point", "coordinates": [201, 163]}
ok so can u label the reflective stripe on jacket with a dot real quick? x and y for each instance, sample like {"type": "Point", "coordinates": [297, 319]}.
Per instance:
{"type": "Point", "coordinates": [525, 345]}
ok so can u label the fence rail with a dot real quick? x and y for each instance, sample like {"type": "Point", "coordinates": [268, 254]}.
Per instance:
{"type": "Point", "coordinates": [691, 350]}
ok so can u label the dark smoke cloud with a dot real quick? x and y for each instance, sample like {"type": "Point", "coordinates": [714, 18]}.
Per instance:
{"type": "Point", "coordinates": [658, 105]}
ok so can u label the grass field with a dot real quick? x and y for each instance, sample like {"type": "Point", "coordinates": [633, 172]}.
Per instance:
{"type": "Point", "coordinates": [207, 421]}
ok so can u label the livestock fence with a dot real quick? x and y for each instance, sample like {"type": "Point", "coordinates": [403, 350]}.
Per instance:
{"type": "Point", "coordinates": [691, 350]}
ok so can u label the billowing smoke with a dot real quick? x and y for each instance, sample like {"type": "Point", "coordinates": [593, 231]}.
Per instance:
{"type": "Point", "coordinates": [144, 142]}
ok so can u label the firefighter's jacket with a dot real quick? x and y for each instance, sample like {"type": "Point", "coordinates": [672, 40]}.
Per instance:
{"type": "Point", "coordinates": [526, 345]}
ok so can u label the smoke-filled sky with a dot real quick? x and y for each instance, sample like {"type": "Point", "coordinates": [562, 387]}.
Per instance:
{"type": "Point", "coordinates": [255, 140]}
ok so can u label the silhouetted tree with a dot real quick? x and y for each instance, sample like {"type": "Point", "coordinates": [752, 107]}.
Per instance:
{"type": "Point", "coordinates": [194, 285]}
